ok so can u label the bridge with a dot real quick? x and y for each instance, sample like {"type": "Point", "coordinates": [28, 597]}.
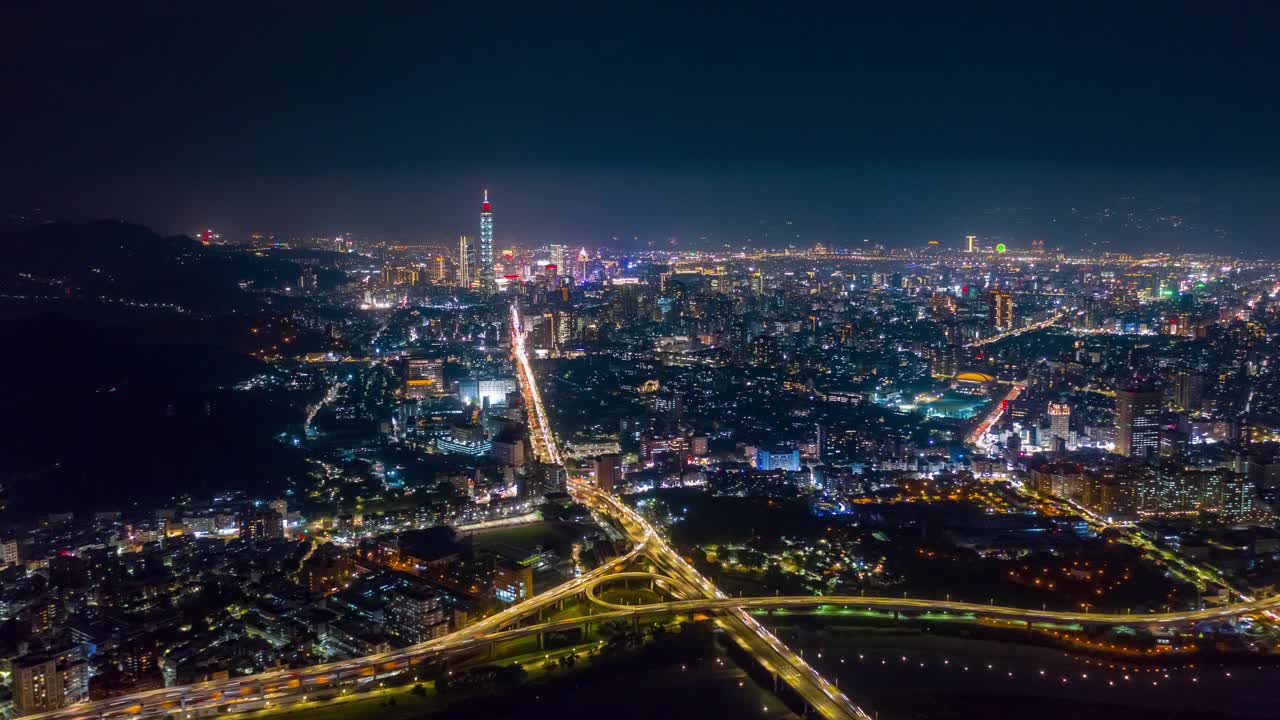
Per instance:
{"type": "Point", "coordinates": [692, 593]}
{"type": "Point", "coordinates": [918, 606]}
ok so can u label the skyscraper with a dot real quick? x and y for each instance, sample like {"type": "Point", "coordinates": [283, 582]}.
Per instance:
{"type": "Point", "coordinates": [1137, 422]}
{"type": "Point", "coordinates": [486, 245]}
{"type": "Point", "coordinates": [971, 242]}
{"type": "Point", "coordinates": [1001, 309]}
{"type": "Point", "coordinates": [557, 257]}
{"type": "Point", "coordinates": [1059, 423]}
{"type": "Point", "coordinates": [1188, 389]}
{"type": "Point", "coordinates": [464, 261]}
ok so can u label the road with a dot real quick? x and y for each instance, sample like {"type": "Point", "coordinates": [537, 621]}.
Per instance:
{"type": "Point", "coordinates": [820, 694]}
{"type": "Point", "coordinates": [977, 437]}
{"type": "Point", "coordinates": [288, 687]}
{"type": "Point", "coordinates": [1012, 333]}
{"type": "Point", "coordinates": [917, 606]}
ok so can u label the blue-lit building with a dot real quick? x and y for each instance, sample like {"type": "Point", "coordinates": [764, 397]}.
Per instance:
{"type": "Point", "coordinates": [778, 460]}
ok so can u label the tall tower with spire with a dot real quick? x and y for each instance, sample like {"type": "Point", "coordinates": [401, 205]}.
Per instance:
{"type": "Point", "coordinates": [486, 245]}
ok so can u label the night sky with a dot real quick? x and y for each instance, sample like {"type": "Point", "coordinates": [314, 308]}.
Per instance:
{"type": "Point", "coordinates": [711, 124]}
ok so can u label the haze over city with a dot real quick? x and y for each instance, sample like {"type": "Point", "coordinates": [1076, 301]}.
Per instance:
{"type": "Point", "coordinates": [713, 125]}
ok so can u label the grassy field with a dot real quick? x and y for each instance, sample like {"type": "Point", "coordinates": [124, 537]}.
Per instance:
{"type": "Point", "coordinates": [557, 535]}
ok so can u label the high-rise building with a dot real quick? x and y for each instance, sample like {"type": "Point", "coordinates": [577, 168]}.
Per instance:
{"type": "Point", "coordinates": [465, 250]}
{"type": "Point", "coordinates": [439, 270]}
{"type": "Point", "coordinates": [1137, 422]}
{"type": "Point", "coordinates": [1059, 423]}
{"type": "Point", "coordinates": [580, 266]}
{"type": "Point", "coordinates": [1001, 309]}
{"type": "Point", "coordinates": [37, 684]}
{"type": "Point", "coordinates": [486, 245]}
{"type": "Point", "coordinates": [424, 377]}
{"type": "Point", "coordinates": [607, 470]}
{"type": "Point", "coordinates": [418, 614]}
{"type": "Point", "coordinates": [971, 242]}
{"type": "Point", "coordinates": [9, 553]}
{"type": "Point", "coordinates": [557, 257]}
{"type": "Point", "coordinates": [48, 681]}
{"type": "Point", "coordinates": [261, 525]}
{"type": "Point", "coordinates": [307, 281]}
{"type": "Point", "coordinates": [1188, 390]}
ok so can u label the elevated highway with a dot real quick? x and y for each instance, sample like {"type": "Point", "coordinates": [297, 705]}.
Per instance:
{"type": "Point", "coordinates": [918, 606]}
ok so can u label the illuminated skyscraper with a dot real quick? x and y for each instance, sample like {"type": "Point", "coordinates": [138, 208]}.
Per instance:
{"type": "Point", "coordinates": [1137, 422]}
{"type": "Point", "coordinates": [486, 246]}
{"type": "Point", "coordinates": [580, 267]}
{"type": "Point", "coordinates": [464, 261]}
{"type": "Point", "coordinates": [557, 257]}
{"type": "Point", "coordinates": [971, 241]}
{"type": "Point", "coordinates": [1001, 309]}
{"type": "Point", "coordinates": [1060, 423]}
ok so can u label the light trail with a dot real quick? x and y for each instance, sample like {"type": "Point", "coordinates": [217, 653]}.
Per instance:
{"type": "Point", "coordinates": [780, 660]}
{"type": "Point", "coordinates": [998, 612]}
{"type": "Point", "coordinates": [978, 436]}
{"type": "Point", "coordinates": [1014, 333]}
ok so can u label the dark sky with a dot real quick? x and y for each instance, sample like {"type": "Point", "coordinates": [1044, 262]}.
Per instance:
{"type": "Point", "coordinates": [716, 120]}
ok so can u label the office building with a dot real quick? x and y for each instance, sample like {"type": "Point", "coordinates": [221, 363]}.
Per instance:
{"type": "Point", "coordinates": [466, 249]}
{"type": "Point", "coordinates": [557, 257]}
{"type": "Point", "coordinates": [487, 279]}
{"type": "Point", "coordinates": [1188, 390]}
{"type": "Point", "coordinates": [1137, 422]}
{"type": "Point", "coordinates": [1000, 309]}
{"type": "Point", "coordinates": [423, 377]}
{"type": "Point", "coordinates": [512, 580]}
{"type": "Point", "coordinates": [490, 392]}
{"type": "Point", "coordinates": [783, 459]}
{"type": "Point", "coordinates": [1059, 424]}
{"type": "Point", "coordinates": [607, 471]}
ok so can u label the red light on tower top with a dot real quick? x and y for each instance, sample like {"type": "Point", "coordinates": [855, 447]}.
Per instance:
{"type": "Point", "coordinates": [484, 207]}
